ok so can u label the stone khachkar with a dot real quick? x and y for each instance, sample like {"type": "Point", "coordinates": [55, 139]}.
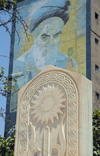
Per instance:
{"type": "Point", "coordinates": [54, 115]}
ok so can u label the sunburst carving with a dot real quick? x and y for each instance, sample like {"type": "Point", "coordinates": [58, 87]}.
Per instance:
{"type": "Point", "coordinates": [47, 104]}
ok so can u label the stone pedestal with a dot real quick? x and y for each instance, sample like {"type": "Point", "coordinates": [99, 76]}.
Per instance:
{"type": "Point", "coordinates": [54, 115]}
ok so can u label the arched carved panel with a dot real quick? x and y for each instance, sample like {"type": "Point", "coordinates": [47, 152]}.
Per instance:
{"type": "Point", "coordinates": [48, 122]}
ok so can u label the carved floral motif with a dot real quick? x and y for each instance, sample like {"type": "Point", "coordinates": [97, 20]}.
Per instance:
{"type": "Point", "coordinates": [48, 103]}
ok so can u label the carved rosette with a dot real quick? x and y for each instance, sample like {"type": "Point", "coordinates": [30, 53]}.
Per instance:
{"type": "Point", "coordinates": [51, 98]}
{"type": "Point", "coordinates": [47, 104]}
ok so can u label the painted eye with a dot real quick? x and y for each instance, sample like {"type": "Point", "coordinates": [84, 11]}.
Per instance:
{"type": "Point", "coordinates": [57, 35]}
{"type": "Point", "coordinates": [44, 37]}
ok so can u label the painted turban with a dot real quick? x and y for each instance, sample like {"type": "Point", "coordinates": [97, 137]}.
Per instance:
{"type": "Point", "coordinates": [53, 8]}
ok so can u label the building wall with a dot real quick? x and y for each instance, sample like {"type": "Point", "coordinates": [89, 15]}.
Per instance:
{"type": "Point", "coordinates": [95, 52]}
{"type": "Point", "coordinates": [52, 41]}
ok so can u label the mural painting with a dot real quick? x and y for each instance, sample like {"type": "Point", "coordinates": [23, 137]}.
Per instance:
{"type": "Point", "coordinates": [57, 33]}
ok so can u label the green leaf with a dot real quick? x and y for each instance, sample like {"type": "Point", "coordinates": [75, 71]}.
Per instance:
{"type": "Point", "coordinates": [15, 80]}
{"type": "Point", "coordinates": [15, 1]}
{"type": "Point", "coordinates": [5, 87]}
{"type": "Point", "coordinates": [95, 152]}
{"type": "Point", "coordinates": [2, 68]}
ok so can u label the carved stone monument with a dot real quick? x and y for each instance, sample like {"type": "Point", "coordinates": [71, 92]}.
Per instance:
{"type": "Point", "coordinates": [54, 115]}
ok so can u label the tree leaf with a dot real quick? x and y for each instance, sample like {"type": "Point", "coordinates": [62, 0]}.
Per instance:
{"type": "Point", "coordinates": [2, 68]}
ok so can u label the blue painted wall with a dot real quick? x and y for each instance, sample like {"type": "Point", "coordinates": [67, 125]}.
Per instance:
{"type": "Point", "coordinates": [59, 35]}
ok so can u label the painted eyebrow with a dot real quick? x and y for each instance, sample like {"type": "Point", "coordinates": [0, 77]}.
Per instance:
{"type": "Point", "coordinates": [58, 33]}
{"type": "Point", "coordinates": [45, 35]}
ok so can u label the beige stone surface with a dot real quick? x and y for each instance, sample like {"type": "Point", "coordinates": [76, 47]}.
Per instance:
{"type": "Point", "coordinates": [54, 116]}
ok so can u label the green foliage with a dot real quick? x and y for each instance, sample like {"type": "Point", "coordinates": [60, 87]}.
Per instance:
{"type": "Point", "coordinates": [96, 133]}
{"type": "Point", "coordinates": [7, 4]}
{"type": "Point", "coordinates": [5, 84]}
{"type": "Point", "coordinates": [7, 146]}
{"type": "Point", "coordinates": [6, 88]}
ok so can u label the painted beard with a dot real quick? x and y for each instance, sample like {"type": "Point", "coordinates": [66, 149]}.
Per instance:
{"type": "Point", "coordinates": [44, 56]}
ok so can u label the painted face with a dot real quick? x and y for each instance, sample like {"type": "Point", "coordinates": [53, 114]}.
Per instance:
{"type": "Point", "coordinates": [47, 37]}
{"type": "Point", "coordinates": [48, 33]}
